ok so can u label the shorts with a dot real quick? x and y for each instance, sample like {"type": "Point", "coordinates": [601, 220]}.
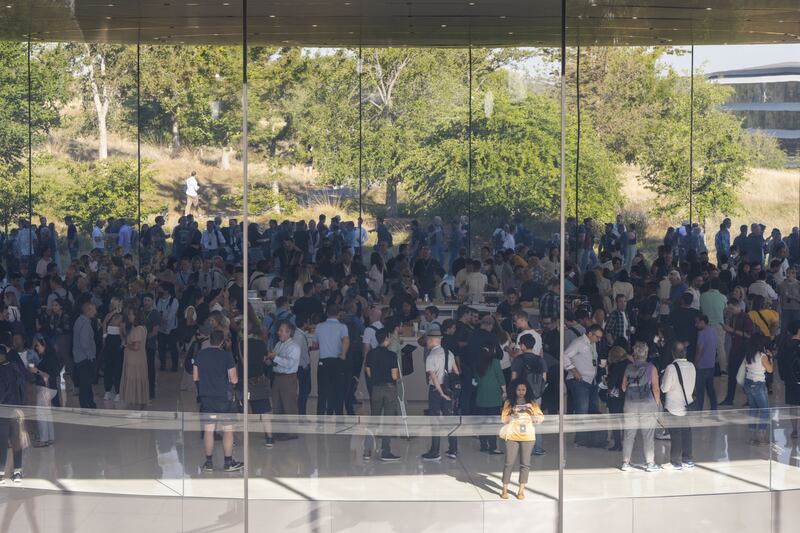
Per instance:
{"type": "Point", "coordinates": [217, 410]}
{"type": "Point", "coordinates": [260, 407]}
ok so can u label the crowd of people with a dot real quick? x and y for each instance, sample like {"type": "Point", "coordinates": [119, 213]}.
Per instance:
{"type": "Point", "coordinates": [641, 337]}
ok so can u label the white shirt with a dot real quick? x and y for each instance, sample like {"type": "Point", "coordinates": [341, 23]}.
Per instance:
{"type": "Point", "coordinates": [368, 337]}
{"type": "Point", "coordinates": [675, 402]}
{"type": "Point", "coordinates": [580, 355]}
{"type": "Point", "coordinates": [192, 186]}
{"type": "Point", "coordinates": [761, 288]}
{"type": "Point", "coordinates": [475, 285]}
{"type": "Point", "coordinates": [508, 242]}
{"type": "Point", "coordinates": [695, 297]}
{"type": "Point", "coordinates": [287, 357]}
{"type": "Point", "coordinates": [99, 238]}
{"type": "Point", "coordinates": [537, 348]}
{"type": "Point", "coordinates": [435, 363]}
{"type": "Point", "coordinates": [211, 240]}
{"type": "Point", "coordinates": [755, 371]}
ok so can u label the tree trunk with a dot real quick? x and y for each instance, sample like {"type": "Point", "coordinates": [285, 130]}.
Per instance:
{"type": "Point", "coordinates": [102, 101]}
{"type": "Point", "coordinates": [102, 149]}
{"type": "Point", "coordinates": [391, 198]}
{"type": "Point", "coordinates": [176, 138]}
{"type": "Point", "coordinates": [225, 158]}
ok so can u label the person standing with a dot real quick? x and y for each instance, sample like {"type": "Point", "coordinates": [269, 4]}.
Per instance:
{"type": "Point", "coordinates": [333, 341]}
{"type": "Point", "coordinates": [192, 188]}
{"type": "Point", "coordinates": [758, 363]}
{"type": "Point", "coordinates": [48, 374]}
{"type": "Point", "coordinates": [740, 329]}
{"type": "Point", "coordinates": [84, 353]}
{"type": "Point", "coordinates": [490, 394]}
{"type": "Point", "coordinates": [167, 307]}
{"type": "Point", "coordinates": [520, 413]}
{"type": "Point", "coordinates": [581, 365]}
{"type": "Point", "coordinates": [98, 236]}
{"type": "Point", "coordinates": [442, 371]}
{"type": "Point", "coordinates": [642, 403]}
{"type": "Point", "coordinates": [712, 304]}
{"type": "Point", "coordinates": [678, 385]}
{"type": "Point", "coordinates": [215, 373]}
{"type": "Point", "coordinates": [135, 389]}
{"type": "Point", "coordinates": [73, 243]}
{"type": "Point", "coordinates": [11, 386]}
{"type": "Point", "coordinates": [152, 321]}
{"type": "Point", "coordinates": [384, 373]}
{"type": "Point", "coordinates": [285, 362]}
{"type": "Point", "coordinates": [705, 354]}
{"type": "Point", "coordinates": [789, 291]}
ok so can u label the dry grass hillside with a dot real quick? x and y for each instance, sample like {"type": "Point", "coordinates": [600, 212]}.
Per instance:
{"type": "Point", "coordinates": [770, 197]}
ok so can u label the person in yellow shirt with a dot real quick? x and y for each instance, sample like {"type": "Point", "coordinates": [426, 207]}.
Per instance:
{"type": "Point", "coordinates": [520, 414]}
{"type": "Point", "coordinates": [765, 319]}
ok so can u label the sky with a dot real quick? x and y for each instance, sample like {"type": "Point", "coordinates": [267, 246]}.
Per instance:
{"type": "Point", "coordinates": [716, 58]}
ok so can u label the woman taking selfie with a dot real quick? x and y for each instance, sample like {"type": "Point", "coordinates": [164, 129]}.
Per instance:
{"type": "Point", "coordinates": [520, 414]}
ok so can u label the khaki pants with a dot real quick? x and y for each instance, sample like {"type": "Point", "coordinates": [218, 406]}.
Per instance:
{"type": "Point", "coordinates": [284, 394]}
{"type": "Point", "coordinates": [722, 353]}
{"type": "Point", "coordinates": [191, 203]}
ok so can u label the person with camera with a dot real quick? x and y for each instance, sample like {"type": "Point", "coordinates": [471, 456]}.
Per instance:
{"type": "Point", "coordinates": [443, 375]}
{"type": "Point", "coordinates": [520, 414]}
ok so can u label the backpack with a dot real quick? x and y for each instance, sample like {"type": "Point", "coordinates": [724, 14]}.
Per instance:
{"type": "Point", "coordinates": [639, 387]}
{"type": "Point", "coordinates": [535, 380]}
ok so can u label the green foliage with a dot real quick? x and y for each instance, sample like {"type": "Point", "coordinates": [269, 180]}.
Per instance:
{"type": "Point", "coordinates": [108, 189]}
{"type": "Point", "coordinates": [49, 89]}
{"type": "Point", "coordinates": [763, 151]}
{"type": "Point", "coordinates": [263, 197]}
{"type": "Point", "coordinates": [14, 194]}
{"type": "Point", "coordinates": [720, 160]}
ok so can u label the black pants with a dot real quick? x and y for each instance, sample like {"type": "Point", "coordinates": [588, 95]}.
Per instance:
{"type": "Point", "coordinates": [112, 367]}
{"type": "Point", "coordinates": [616, 406]}
{"type": "Point", "coordinates": [439, 406]}
{"type": "Point", "coordinates": [303, 388]}
{"type": "Point", "coordinates": [466, 400]}
{"type": "Point", "coordinates": [86, 374]}
{"type": "Point", "coordinates": [10, 436]}
{"type": "Point", "coordinates": [151, 370]}
{"type": "Point", "coordinates": [488, 442]}
{"type": "Point", "coordinates": [168, 344]}
{"type": "Point", "coordinates": [680, 442]}
{"type": "Point", "coordinates": [331, 386]}
{"type": "Point", "coordinates": [353, 374]}
{"type": "Point", "coordinates": [734, 362]}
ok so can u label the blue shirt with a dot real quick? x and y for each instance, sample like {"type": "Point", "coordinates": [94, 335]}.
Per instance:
{"type": "Point", "coordinates": [708, 338]}
{"type": "Point", "coordinates": [722, 241]}
{"type": "Point", "coordinates": [329, 335]}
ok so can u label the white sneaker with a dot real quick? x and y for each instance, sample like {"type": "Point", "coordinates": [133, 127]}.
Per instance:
{"type": "Point", "coordinates": [651, 467]}
{"type": "Point", "coordinates": [117, 398]}
{"type": "Point", "coordinates": [625, 467]}
{"type": "Point", "coordinates": [108, 396]}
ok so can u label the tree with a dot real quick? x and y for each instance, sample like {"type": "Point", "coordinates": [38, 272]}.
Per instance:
{"type": "Point", "coordinates": [107, 75]}
{"type": "Point", "coordinates": [48, 91]}
{"type": "Point", "coordinates": [109, 188]}
{"type": "Point", "coordinates": [720, 159]}
{"type": "Point", "coordinates": [14, 194]}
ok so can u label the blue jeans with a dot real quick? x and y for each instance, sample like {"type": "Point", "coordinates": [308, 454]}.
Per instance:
{"type": "Point", "coordinates": [705, 384]}
{"type": "Point", "coordinates": [584, 401]}
{"type": "Point", "coordinates": [759, 404]}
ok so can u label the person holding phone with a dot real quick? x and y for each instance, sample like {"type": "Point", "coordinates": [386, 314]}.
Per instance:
{"type": "Point", "coordinates": [520, 414]}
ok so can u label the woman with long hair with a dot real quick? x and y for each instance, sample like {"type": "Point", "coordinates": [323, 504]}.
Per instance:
{"type": "Point", "coordinates": [758, 362]}
{"type": "Point", "coordinates": [490, 394]}
{"type": "Point", "coordinates": [520, 413]}
{"type": "Point", "coordinates": [135, 388]}
{"type": "Point", "coordinates": [113, 350]}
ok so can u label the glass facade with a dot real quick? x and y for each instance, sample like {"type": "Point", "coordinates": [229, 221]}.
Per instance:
{"type": "Point", "coordinates": [268, 210]}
